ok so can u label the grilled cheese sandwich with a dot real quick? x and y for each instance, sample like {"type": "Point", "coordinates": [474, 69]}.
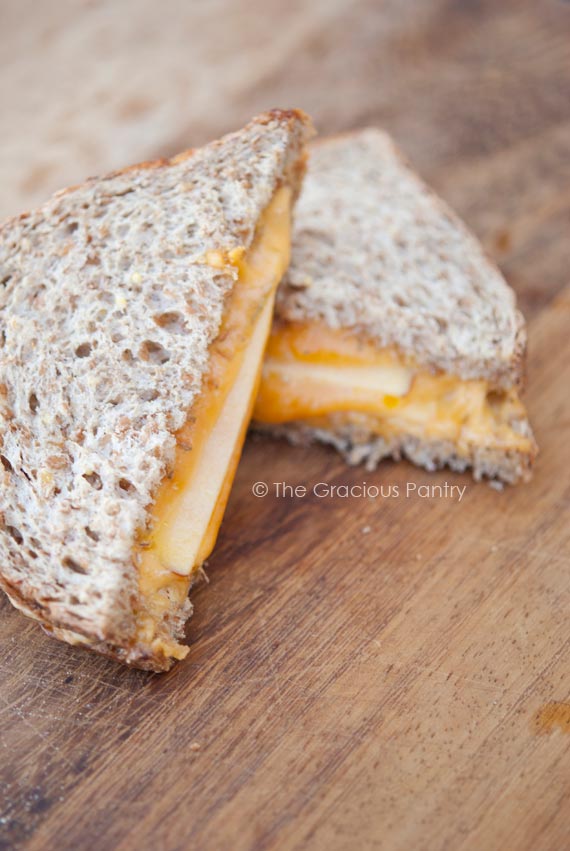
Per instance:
{"type": "Point", "coordinates": [134, 313]}
{"type": "Point", "coordinates": [393, 333]}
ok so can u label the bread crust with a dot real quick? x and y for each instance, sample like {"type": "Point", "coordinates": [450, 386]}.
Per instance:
{"type": "Point", "coordinates": [509, 467]}
{"type": "Point", "coordinates": [79, 633]}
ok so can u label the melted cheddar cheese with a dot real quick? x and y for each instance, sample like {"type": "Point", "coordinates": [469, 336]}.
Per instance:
{"type": "Point", "coordinates": [189, 505]}
{"type": "Point", "coordinates": [316, 375]}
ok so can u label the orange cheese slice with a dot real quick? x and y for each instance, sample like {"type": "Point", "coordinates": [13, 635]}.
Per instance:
{"type": "Point", "coordinates": [189, 506]}
{"type": "Point", "coordinates": [312, 373]}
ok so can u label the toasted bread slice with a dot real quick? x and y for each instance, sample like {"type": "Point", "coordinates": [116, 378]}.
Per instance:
{"type": "Point", "coordinates": [394, 334]}
{"type": "Point", "coordinates": [134, 314]}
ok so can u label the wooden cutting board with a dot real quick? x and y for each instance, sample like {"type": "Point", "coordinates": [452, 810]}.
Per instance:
{"type": "Point", "coordinates": [367, 672]}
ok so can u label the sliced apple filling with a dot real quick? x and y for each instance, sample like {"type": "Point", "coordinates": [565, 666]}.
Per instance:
{"type": "Point", "coordinates": [313, 374]}
{"type": "Point", "coordinates": [189, 505]}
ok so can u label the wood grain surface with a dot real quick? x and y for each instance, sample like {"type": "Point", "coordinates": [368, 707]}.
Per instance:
{"type": "Point", "coordinates": [365, 673]}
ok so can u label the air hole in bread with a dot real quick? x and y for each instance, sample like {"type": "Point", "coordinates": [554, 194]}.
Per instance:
{"type": "Point", "coordinates": [401, 302]}
{"type": "Point", "coordinates": [72, 227]}
{"type": "Point", "coordinates": [93, 260]}
{"type": "Point", "coordinates": [441, 324]}
{"type": "Point", "coordinates": [91, 534]}
{"type": "Point", "coordinates": [127, 486]}
{"type": "Point", "coordinates": [154, 352]}
{"type": "Point", "coordinates": [149, 395]}
{"type": "Point", "coordinates": [495, 399]}
{"type": "Point", "coordinates": [116, 337]}
{"type": "Point", "coordinates": [32, 554]}
{"type": "Point", "coordinates": [74, 600]}
{"type": "Point", "coordinates": [94, 480]}
{"type": "Point", "coordinates": [83, 351]}
{"type": "Point", "coordinates": [171, 321]}
{"type": "Point", "coordinates": [33, 403]}
{"type": "Point", "coordinates": [73, 565]}
{"type": "Point", "coordinates": [6, 280]}
{"type": "Point", "coordinates": [26, 475]}
{"type": "Point", "coordinates": [6, 464]}
{"type": "Point", "coordinates": [128, 356]}
{"type": "Point", "coordinates": [15, 534]}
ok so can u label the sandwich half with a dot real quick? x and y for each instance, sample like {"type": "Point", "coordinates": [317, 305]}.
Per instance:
{"type": "Point", "coordinates": [393, 334]}
{"type": "Point", "coordinates": [134, 312]}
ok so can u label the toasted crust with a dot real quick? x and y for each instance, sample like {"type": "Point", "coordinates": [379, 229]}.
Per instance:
{"type": "Point", "coordinates": [511, 466]}
{"type": "Point", "coordinates": [376, 250]}
{"type": "Point", "coordinates": [79, 632]}
{"type": "Point", "coordinates": [107, 313]}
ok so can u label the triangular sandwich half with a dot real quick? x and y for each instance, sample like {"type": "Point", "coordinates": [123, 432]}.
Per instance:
{"type": "Point", "coordinates": [394, 335]}
{"type": "Point", "coordinates": [134, 311]}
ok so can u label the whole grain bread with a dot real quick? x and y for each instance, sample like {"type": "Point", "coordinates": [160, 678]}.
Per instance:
{"type": "Point", "coordinates": [376, 250]}
{"type": "Point", "coordinates": [107, 312]}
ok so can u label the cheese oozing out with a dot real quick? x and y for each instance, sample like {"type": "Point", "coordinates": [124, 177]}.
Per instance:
{"type": "Point", "coordinates": [328, 378]}
{"type": "Point", "coordinates": [189, 506]}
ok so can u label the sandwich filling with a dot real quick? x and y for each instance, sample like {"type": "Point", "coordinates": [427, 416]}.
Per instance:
{"type": "Point", "coordinates": [329, 378]}
{"type": "Point", "coordinates": [189, 506]}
